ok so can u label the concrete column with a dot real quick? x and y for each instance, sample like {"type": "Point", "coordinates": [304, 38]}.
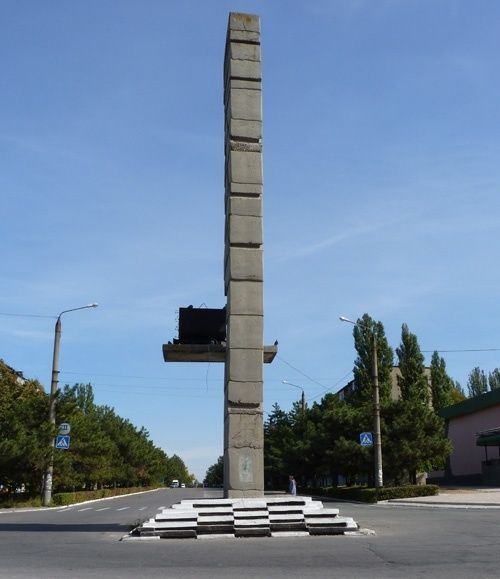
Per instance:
{"type": "Point", "coordinates": [243, 259]}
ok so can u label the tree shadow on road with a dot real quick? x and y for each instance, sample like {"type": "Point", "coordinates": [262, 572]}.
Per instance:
{"type": "Point", "coordinates": [61, 528]}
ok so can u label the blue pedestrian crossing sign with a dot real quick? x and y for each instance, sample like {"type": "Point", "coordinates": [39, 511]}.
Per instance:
{"type": "Point", "coordinates": [366, 439]}
{"type": "Point", "coordinates": [62, 442]}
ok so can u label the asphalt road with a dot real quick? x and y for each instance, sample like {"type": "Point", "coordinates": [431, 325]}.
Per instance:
{"type": "Point", "coordinates": [83, 542]}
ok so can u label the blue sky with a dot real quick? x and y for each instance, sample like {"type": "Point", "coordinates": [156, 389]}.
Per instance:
{"type": "Point", "coordinates": [381, 192]}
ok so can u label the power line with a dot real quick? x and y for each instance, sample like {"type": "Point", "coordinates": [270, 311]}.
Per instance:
{"type": "Point", "coordinates": [141, 393]}
{"type": "Point", "coordinates": [165, 388]}
{"type": "Point", "coordinates": [302, 373]}
{"type": "Point", "coordinates": [27, 315]}
{"type": "Point", "coordinates": [125, 387]}
{"type": "Point", "coordinates": [135, 377]}
{"type": "Point", "coordinates": [340, 380]}
{"type": "Point", "coordinates": [156, 378]}
{"type": "Point", "coordinates": [464, 350]}
{"type": "Point", "coordinates": [325, 388]}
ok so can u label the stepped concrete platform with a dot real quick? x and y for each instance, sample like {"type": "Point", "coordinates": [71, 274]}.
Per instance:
{"type": "Point", "coordinates": [253, 517]}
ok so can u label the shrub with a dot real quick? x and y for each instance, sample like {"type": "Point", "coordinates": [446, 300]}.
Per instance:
{"type": "Point", "coordinates": [63, 499]}
{"type": "Point", "coordinates": [19, 502]}
{"type": "Point", "coordinates": [373, 495]}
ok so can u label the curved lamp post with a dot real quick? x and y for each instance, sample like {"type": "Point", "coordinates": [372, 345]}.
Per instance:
{"type": "Point", "coordinates": [379, 477]}
{"type": "Point", "coordinates": [302, 398]}
{"type": "Point", "coordinates": [49, 473]}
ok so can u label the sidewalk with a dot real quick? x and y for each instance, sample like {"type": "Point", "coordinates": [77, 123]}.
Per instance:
{"type": "Point", "coordinates": [459, 497]}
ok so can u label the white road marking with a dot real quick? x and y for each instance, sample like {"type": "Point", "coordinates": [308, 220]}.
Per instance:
{"type": "Point", "coordinates": [123, 509]}
{"type": "Point", "coordinates": [142, 508]}
{"type": "Point", "coordinates": [85, 509]}
{"type": "Point", "coordinates": [103, 509]}
{"type": "Point", "coordinates": [160, 508]}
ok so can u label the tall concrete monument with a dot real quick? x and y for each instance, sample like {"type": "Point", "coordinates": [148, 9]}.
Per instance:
{"type": "Point", "coordinates": [234, 334]}
{"type": "Point", "coordinates": [243, 260]}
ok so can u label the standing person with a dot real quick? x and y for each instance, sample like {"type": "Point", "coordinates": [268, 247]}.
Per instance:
{"type": "Point", "coordinates": [292, 485]}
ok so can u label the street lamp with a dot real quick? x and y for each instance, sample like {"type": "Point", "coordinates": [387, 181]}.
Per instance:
{"type": "Point", "coordinates": [49, 473]}
{"type": "Point", "coordinates": [379, 478]}
{"type": "Point", "coordinates": [302, 398]}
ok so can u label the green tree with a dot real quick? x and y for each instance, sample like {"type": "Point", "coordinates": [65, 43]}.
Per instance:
{"type": "Point", "coordinates": [176, 469]}
{"type": "Point", "coordinates": [415, 441]}
{"type": "Point", "coordinates": [477, 383]}
{"type": "Point", "coordinates": [88, 462]}
{"type": "Point", "coordinates": [413, 381]}
{"type": "Point", "coordinates": [214, 476]}
{"type": "Point", "coordinates": [442, 385]}
{"type": "Point", "coordinates": [302, 452]}
{"type": "Point", "coordinates": [494, 379]}
{"type": "Point", "coordinates": [106, 449]}
{"type": "Point", "coordinates": [278, 433]}
{"type": "Point", "coordinates": [339, 424]}
{"type": "Point", "coordinates": [457, 393]}
{"type": "Point", "coordinates": [25, 431]}
{"type": "Point", "coordinates": [363, 333]}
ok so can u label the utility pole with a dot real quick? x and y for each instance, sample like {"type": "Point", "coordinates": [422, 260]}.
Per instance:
{"type": "Point", "coordinates": [379, 478]}
{"type": "Point", "coordinates": [49, 473]}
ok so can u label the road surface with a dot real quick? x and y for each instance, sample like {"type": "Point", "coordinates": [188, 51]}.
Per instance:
{"type": "Point", "coordinates": [84, 542]}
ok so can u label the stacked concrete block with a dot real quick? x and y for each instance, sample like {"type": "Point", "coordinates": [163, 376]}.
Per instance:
{"type": "Point", "coordinates": [218, 520]}
{"type": "Point", "coordinates": [249, 517]}
{"type": "Point", "coordinates": [243, 259]}
{"type": "Point", "coordinates": [287, 516]}
{"type": "Point", "coordinates": [171, 524]}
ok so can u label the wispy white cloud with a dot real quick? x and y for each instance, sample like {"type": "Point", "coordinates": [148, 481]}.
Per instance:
{"type": "Point", "coordinates": [356, 231]}
{"type": "Point", "coordinates": [44, 145]}
{"type": "Point", "coordinates": [38, 335]}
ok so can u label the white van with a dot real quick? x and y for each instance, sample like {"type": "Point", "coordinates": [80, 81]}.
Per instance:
{"type": "Point", "coordinates": [174, 484]}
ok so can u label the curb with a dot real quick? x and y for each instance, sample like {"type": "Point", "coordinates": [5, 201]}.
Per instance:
{"type": "Point", "coordinates": [439, 505]}
{"type": "Point", "coordinates": [102, 499]}
{"type": "Point", "coordinates": [361, 532]}
{"type": "Point", "coordinates": [59, 507]}
{"type": "Point", "coordinates": [416, 504]}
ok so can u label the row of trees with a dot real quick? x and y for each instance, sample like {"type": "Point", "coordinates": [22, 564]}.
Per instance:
{"type": "Point", "coordinates": [318, 443]}
{"type": "Point", "coordinates": [322, 441]}
{"type": "Point", "coordinates": [479, 382]}
{"type": "Point", "coordinates": [106, 449]}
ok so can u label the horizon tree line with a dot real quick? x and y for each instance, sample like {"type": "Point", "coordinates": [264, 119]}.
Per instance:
{"type": "Point", "coordinates": [106, 450]}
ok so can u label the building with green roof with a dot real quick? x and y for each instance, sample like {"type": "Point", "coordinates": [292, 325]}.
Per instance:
{"type": "Point", "coordinates": [473, 426]}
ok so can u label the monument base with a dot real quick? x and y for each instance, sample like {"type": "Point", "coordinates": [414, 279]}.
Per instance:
{"type": "Point", "coordinates": [249, 517]}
